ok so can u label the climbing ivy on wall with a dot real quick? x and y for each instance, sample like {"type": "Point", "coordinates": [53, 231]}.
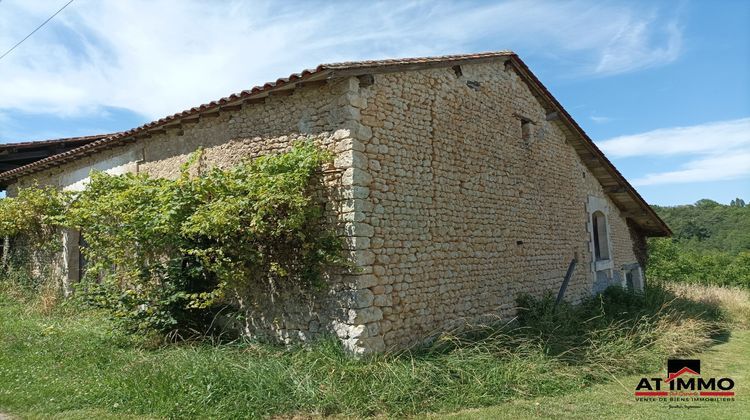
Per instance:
{"type": "Point", "coordinates": [32, 220]}
{"type": "Point", "coordinates": [163, 253]}
{"type": "Point", "coordinates": [35, 212]}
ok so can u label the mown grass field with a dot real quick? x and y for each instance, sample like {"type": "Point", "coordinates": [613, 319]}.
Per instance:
{"type": "Point", "coordinates": [575, 361]}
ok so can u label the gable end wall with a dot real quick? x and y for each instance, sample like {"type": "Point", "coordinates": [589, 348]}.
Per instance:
{"type": "Point", "coordinates": [448, 210]}
{"type": "Point", "coordinates": [467, 213]}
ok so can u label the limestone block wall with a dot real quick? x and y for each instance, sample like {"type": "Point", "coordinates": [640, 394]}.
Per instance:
{"type": "Point", "coordinates": [454, 193]}
{"type": "Point", "coordinates": [322, 112]}
{"type": "Point", "coordinates": [475, 197]}
{"type": "Point", "coordinates": [620, 233]}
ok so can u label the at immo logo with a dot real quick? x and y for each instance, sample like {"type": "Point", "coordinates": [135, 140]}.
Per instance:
{"type": "Point", "coordinates": [684, 379]}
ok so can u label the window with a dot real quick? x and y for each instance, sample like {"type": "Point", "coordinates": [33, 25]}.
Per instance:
{"type": "Point", "coordinates": [601, 243]}
{"type": "Point", "coordinates": [600, 247]}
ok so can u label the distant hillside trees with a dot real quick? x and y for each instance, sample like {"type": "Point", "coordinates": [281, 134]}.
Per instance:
{"type": "Point", "coordinates": [711, 244]}
{"type": "Point", "coordinates": [710, 226]}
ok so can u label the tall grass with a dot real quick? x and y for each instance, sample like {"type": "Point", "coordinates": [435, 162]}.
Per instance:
{"type": "Point", "coordinates": [734, 302]}
{"type": "Point", "coordinates": [68, 361]}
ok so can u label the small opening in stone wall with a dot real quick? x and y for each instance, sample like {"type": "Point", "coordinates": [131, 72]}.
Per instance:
{"type": "Point", "coordinates": [525, 129]}
{"type": "Point", "coordinates": [457, 70]}
{"type": "Point", "coordinates": [473, 84]}
{"type": "Point", "coordinates": [366, 80]}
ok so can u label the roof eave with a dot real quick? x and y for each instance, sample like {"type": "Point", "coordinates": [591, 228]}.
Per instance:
{"type": "Point", "coordinates": [118, 139]}
{"type": "Point", "coordinates": [650, 223]}
{"type": "Point", "coordinates": [658, 227]}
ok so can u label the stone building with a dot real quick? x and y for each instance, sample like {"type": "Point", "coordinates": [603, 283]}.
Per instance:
{"type": "Point", "coordinates": [460, 184]}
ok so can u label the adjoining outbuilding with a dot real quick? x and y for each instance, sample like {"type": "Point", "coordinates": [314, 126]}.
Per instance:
{"type": "Point", "coordinates": [460, 183]}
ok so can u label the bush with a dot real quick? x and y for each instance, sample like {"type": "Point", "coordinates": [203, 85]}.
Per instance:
{"type": "Point", "coordinates": [165, 254]}
{"type": "Point", "coordinates": [31, 223]}
{"type": "Point", "coordinates": [35, 212]}
{"type": "Point", "coordinates": [72, 363]}
{"type": "Point", "coordinates": [668, 260]}
{"type": "Point", "coordinates": [136, 266]}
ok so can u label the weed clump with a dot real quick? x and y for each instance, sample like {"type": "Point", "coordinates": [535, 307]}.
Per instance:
{"type": "Point", "coordinates": [71, 361]}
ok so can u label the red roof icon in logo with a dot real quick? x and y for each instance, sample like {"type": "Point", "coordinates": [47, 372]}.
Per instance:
{"type": "Point", "coordinates": [682, 371]}
{"type": "Point", "coordinates": [678, 367]}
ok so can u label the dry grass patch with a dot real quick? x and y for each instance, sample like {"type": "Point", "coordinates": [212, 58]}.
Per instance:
{"type": "Point", "coordinates": [61, 362]}
{"type": "Point", "coordinates": [734, 302]}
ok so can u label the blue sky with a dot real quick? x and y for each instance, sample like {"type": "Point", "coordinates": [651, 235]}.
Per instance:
{"type": "Point", "coordinates": [662, 87]}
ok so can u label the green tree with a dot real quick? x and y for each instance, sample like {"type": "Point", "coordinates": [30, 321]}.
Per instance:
{"type": "Point", "coordinates": [711, 244]}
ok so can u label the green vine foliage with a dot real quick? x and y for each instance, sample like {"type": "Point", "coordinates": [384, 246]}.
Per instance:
{"type": "Point", "coordinates": [31, 221]}
{"type": "Point", "coordinates": [135, 266]}
{"type": "Point", "coordinates": [167, 254]}
{"type": "Point", "coordinates": [260, 221]}
{"type": "Point", "coordinates": [35, 212]}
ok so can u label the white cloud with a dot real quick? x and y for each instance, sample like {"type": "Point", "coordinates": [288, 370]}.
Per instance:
{"type": "Point", "coordinates": [705, 138]}
{"type": "Point", "coordinates": [714, 168]}
{"type": "Point", "coordinates": [718, 150]}
{"type": "Point", "coordinates": [632, 48]}
{"type": "Point", "coordinates": [158, 57]}
{"type": "Point", "coordinates": [600, 120]}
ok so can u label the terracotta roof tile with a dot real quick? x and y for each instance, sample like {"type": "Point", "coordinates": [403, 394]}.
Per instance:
{"type": "Point", "coordinates": [116, 138]}
{"type": "Point", "coordinates": [103, 142]}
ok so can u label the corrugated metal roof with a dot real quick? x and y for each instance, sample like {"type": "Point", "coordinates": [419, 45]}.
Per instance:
{"type": "Point", "coordinates": [16, 155]}
{"type": "Point", "coordinates": [61, 141]}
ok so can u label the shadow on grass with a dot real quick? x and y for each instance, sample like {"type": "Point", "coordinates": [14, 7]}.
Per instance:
{"type": "Point", "coordinates": [722, 336]}
{"type": "Point", "coordinates": [618, 330]}
{"type": "Point", "coordinates": [545, 351]}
